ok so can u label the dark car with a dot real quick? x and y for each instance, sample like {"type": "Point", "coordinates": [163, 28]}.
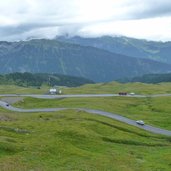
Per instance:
{"type": "Point", "coordinates": [122, 93]}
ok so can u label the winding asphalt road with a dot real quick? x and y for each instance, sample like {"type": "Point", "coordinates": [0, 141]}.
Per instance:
{"type": "Point", "coordinates": [79, 95]}
{"type": "Point", "coordinates": [97, 112]}
{"type": "Point", "coordinates": [65, 96]}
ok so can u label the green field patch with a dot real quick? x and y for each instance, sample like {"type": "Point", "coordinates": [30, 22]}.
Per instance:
{"type": "Point", "coordinates": [16, 130]}
{"type": "Point", "coordinates": [8, 146]}
{"type": "Point", "coordinates": [99, 88]}
{"type": "Point", "coordinates": [154, 111]}
{"type": "Point", "coordinates": [131, 142]}
{"type": "Point", "coordinates": [76, 140]}
{"type": "Point", "coordinates": [115, 87]}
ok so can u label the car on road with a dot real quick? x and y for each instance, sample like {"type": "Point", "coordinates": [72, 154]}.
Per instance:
{"type": "Point", "coordinates": [7, 104]}
{"type": "Point", "coordinates": [140, 122]}
{"type": "Point", "coordinates": [122, 93]}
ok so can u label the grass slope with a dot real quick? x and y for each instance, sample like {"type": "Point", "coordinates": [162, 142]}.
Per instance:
{"type": "Point", "coordinates": [100, 88]}
{"type": "Point", "coordinates": [154, 111]}
{"type": "Point", "coordinates": [13, 89]}
{"type": "Point", "coordinates": [74, 140]}
{"type": "Point", "coordinates": [115, 87]}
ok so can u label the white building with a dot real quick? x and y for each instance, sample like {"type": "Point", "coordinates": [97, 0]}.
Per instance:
{"type": "Point", "coordinates": [53, 91]}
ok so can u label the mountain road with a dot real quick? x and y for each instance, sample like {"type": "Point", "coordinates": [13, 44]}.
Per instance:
{"type": "Point", "coordinates": [91, 111]}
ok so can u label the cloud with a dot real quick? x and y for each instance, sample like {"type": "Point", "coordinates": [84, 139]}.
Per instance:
{"type": "Point", "coordinates": [152, 29]}
{"type": "Point", "coordinates": [149, 9]}
{"type": "Point", "coordinates": [41, 18]}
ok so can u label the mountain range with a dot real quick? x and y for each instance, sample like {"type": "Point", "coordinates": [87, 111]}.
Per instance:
{"type": "Point", "coordinates": [70, 58]}
{"type": "Point", "coordinates": [138, 48]}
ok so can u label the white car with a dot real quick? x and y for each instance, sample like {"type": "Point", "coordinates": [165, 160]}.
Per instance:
{"type": "Point", "coordinates": [140, 122]}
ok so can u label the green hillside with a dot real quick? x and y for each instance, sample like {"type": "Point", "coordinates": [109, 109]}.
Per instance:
{"type": "Point", "coordinates": [154, 111]}
{"type": "Point", "coordinates": [39, 79]}
{"type": "Point", "coordinates": [152, 78]}
{"type": "Point", "coordinates": [98, 88]}
{"type": "Point", "coordinates": [75, 140]}
{"type": "Point", "coordinates": [116, 87]}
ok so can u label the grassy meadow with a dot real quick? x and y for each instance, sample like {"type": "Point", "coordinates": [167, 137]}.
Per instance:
{"type": "Point", "coordinates": [77, 141]}
{"type": "Point", "coordinates": [74, 140]}
{"type": "Point", "coordinates": [154, 111]}
{"type": "Point", "coordinates": [13, 89]}
{"type": "Point", "coordinates": [115, 87]}
{"type": "Point", "coordinates": [99, 88]}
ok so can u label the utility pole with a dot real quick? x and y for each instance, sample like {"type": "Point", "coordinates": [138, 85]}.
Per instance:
{"type": "Point", "coordinates": [49, 81]}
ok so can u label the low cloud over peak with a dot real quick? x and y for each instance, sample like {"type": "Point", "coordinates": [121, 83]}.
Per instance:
{"type": "Point", "coordinates": [46, 19]}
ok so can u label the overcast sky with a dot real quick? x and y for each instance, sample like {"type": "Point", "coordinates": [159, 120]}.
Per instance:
{"type": "Point", "coordinates": [26, 19]}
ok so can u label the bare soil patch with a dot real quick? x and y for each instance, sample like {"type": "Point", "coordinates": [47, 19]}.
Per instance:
{"type": "Point", "coordinates": [12, 100]}
{"type": "Point", "coordinates": [4, 118]}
